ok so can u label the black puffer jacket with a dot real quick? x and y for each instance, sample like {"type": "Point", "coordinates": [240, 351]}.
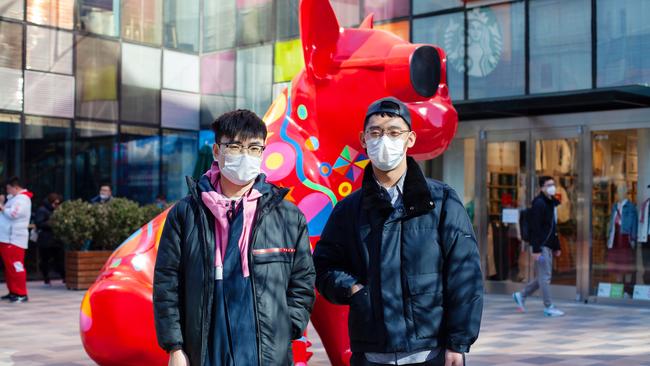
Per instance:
{"type": "Point", "coordinates": [543, 230]}
{"type": "Point", "coordinates": [420, 267]}
{"type": "Point", "coordinates": [283, 279]}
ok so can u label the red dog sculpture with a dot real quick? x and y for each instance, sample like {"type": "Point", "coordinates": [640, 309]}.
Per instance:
{"type": "Point", "coordinates": [313, 149]}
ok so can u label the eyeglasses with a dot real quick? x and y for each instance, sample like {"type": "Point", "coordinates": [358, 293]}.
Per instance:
{"type": "Point", "coordinates": [376, 132]}
{"type": "Point", "coordinates": [234, 148]}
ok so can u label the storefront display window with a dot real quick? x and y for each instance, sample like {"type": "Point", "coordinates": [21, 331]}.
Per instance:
{"type": "Point", "coordinates": [96, 84]}
{"type": "Point", "coordinates": [426, 6]}
{"type": "Point", "coordinates": [560, 45]}
{"type": "Point", "coordinates": [400, 29]}
{"type": "Point", "coordinates": [140, 92]}
{"type": "Point", "coordinates": [95, 156]}
{"type": "Point", "coordinates": [48, 152]}
{"type": "Point", "coordinates": [387, 9]}
{"type": "Point", "coordinates": [462, 152]}
{"type": "Point", "coordinates": [254, 21]}
{"type": "Point", "coordinates": [181, 25]}
{"type": "Point", "coordinates": [142, 21]}
{"type": "Point", "coordinates": [49, 50]}
{"type": "Point", "coordinates": [180, 109]}
{"type": "Point", "coordinates": [179, 152]}
{"type": "Point", "coordinates": [620, 245]}
{"type": "Point", "coordinates": [139, 164]}
{"type": "Point", "coordinates": [49, 94]}
{"type": "Point", "coordinates": [623, 47]}
{"type": "Point", "coordinates": [219, 25]}
{"type": "Point", "coordinates": [286, 19]}
{"type": "Point", "coordinates": [10, 145]}
{"type": "Point", "coordinates": [254, 78]}
{"type": "Point", "coordinates": [11, 63]}
{"type": "Point", "coordinates": [55, 13]}
{"type": "Point", "coordinates": [99, 17]}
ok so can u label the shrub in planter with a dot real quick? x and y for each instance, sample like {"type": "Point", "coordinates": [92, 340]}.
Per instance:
{"type": "Point", "coordinates": [116, 220]}
{"type": "Point", "coordinates": [74, 224]}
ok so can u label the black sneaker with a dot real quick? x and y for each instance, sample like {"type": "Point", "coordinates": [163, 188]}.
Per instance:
{"type": "Point", "coordinates": [18, 298]}
{"type": "Point", "coordinates": [7, 296]}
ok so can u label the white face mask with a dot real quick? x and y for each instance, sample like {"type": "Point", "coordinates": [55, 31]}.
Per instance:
{"type": "Point", "coordinates": [386, 153]}
{"type": "Point", "coordinates": [240, 169]}
{"type": "Point", "coordinates": [551, 190]}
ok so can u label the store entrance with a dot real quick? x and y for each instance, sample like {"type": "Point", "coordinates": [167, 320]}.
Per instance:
{"type": "Point", "coordinates": [514, 162]}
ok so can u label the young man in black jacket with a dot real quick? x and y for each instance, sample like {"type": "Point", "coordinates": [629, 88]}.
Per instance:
{"type": "Point", "coordinates": [545, 244]}
{"type": "Point", "coordinates": [234, 277]}
{"type": "Point", "coordinates": [402, 254]}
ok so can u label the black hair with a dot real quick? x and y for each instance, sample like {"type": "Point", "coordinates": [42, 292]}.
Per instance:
{"type": "Point", "coordinates": [543, 179]}
{"type": "Point", "coordinates": [14, 182]}
{"type": "Point", "coordinates": [385, 115]}
{"type": "Point", "coordinates": [241, 123]}
{"type": "Point", "coordinates": [53, 197]}
{"type": "Point", "coordinates": [106, 184]}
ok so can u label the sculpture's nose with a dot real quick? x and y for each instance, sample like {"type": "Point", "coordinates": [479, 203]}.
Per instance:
{"type": "Point", "coordinates": [414, 72]}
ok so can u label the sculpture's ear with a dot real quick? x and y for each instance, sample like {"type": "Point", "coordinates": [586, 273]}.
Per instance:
{"type": "Point", "coordinates": [319, 31]}
{"type": "Point", "coordinates": [368, 22]}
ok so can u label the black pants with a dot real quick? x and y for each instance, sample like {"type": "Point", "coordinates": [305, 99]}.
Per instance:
{"type": "Point", "coordinates": [359, 359]}
{"type": "Point", "coordinates": [645, 252]}
{"type": "Point", "coordinates": [53, 255]}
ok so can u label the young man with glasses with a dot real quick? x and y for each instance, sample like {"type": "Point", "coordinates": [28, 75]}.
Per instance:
{"type": "Point", "coordinates": [234, 278]}
{"type": "Point", "coordinates": [401, 252]}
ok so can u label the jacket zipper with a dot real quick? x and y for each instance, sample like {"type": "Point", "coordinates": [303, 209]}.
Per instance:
{"type": "Point", "coordinates": [257, 221]}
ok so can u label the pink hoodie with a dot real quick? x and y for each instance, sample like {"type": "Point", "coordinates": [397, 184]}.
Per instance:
{"type": "Point", "coordinates": [219, 204]}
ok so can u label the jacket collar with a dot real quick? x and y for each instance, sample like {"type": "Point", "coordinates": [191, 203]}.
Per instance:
{"type": "Point", "coordinates": [551, 201]}
{"type": "Point", "coordinates": [416, 195]}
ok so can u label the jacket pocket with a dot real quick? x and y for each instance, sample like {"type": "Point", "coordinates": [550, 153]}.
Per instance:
{"type": "Point", "coordinates": [361, 323]}
{"type": "Point", "coordinates": [426, 304]}
{"type": "Point", "coordinates": [270, 255]}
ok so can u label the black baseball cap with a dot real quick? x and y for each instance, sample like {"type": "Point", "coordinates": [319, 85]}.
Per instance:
{"type": "Point", "coordinates": [388, 105]}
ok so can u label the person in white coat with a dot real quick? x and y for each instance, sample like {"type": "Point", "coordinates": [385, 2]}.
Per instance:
{"type": "Point", "coordinates": [14, 219]}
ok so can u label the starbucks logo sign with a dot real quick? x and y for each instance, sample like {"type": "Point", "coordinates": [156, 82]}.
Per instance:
{"type": "Point", "coordinates": [484, 43]}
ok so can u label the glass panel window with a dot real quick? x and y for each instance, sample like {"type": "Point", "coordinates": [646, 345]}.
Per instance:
{"type": "Point", "coordinates": [212, 106]}
{"type": "Point", "coordinates": [55, 13]}
{"type": "Point", "coordinates": [12, 9]}
{"type": "Point", "coordinates": [620, 250]}
{"type": "Point", "coordinates": [10, 144]}
{"type": "Point", "coordinates": [560, 45]}
{"type": "Point", "coordinates": [446, 31]}
{"type": "Point", "coordinates": [426, 6]}
{"type": "Point", "coordinates": [254, 78]}
{"type": "Point", "coordinates": [139, 168]}
{"type": "Point", "coordinates": [400, 29]}
{"type": "Point", "coordinates": [11, 92]}
{"type": "Point", "coordinates": [142, 21]}
{"type": "Point", "coordinates": [99, 16]}
{"type": "Point", "coordinates": [96, 71]}
{"type": "Point", "coordinates": [286, 19]}
{"type": "Point", "coordinates": [49, 94]}
{"type": "Point", "coordinates": [387, 9]}
{"type": "Point", "coordinates": [180, 110]}
{"type": "Point", "coordinates": [94, 157]}
{"type": "Point", "coordinates": [49, 50]}
{"type": "Point", "coordinates": [180, 71]}
{"type": "Point", "coordinates": [254, 21]}
{"type": "Point", "coordinates": [495, 51]}
{"type": "Point", "coordinates": [218, 73]}
{"type": "Point", "coordinates": [347, 12]}
{"type": "Point", "coordinates": [179, 160]}
{"type": "Point", "coordinates": [140, 84]}
{"type": "Point", "coordinates": [182, 25]}
{"type": "Point", "coordinates": [48, 151]}
{"type": "Point", "coordinates": [461, 153]}
{"type": "Point", "coordinates": [219, 25]}
{"type": "Point", "coordinates": [11, 45]}
{"type": "Point", "coordinates": [288, 60]}
{"type": "Point", "coordinates": [623, 42]}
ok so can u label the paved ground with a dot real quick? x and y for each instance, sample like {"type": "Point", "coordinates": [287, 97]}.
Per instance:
{"type": "Point", "coordinates": [45, 332]}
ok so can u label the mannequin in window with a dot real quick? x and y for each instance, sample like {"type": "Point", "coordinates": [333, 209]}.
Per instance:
{"type": "Point", "coordinates": [622, 239]}
{"type": "Point", "coordinates": [644, 236]}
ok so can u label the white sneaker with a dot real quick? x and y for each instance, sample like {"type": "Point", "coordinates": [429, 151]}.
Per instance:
{"type": "Point", "coordinates": [552, 311]}
{"type": "Point", "coordinates": [520, 301]}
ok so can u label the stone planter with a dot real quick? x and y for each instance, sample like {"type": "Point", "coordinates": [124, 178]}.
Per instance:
{"type": "Point", "coordinates": [82, 268]}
